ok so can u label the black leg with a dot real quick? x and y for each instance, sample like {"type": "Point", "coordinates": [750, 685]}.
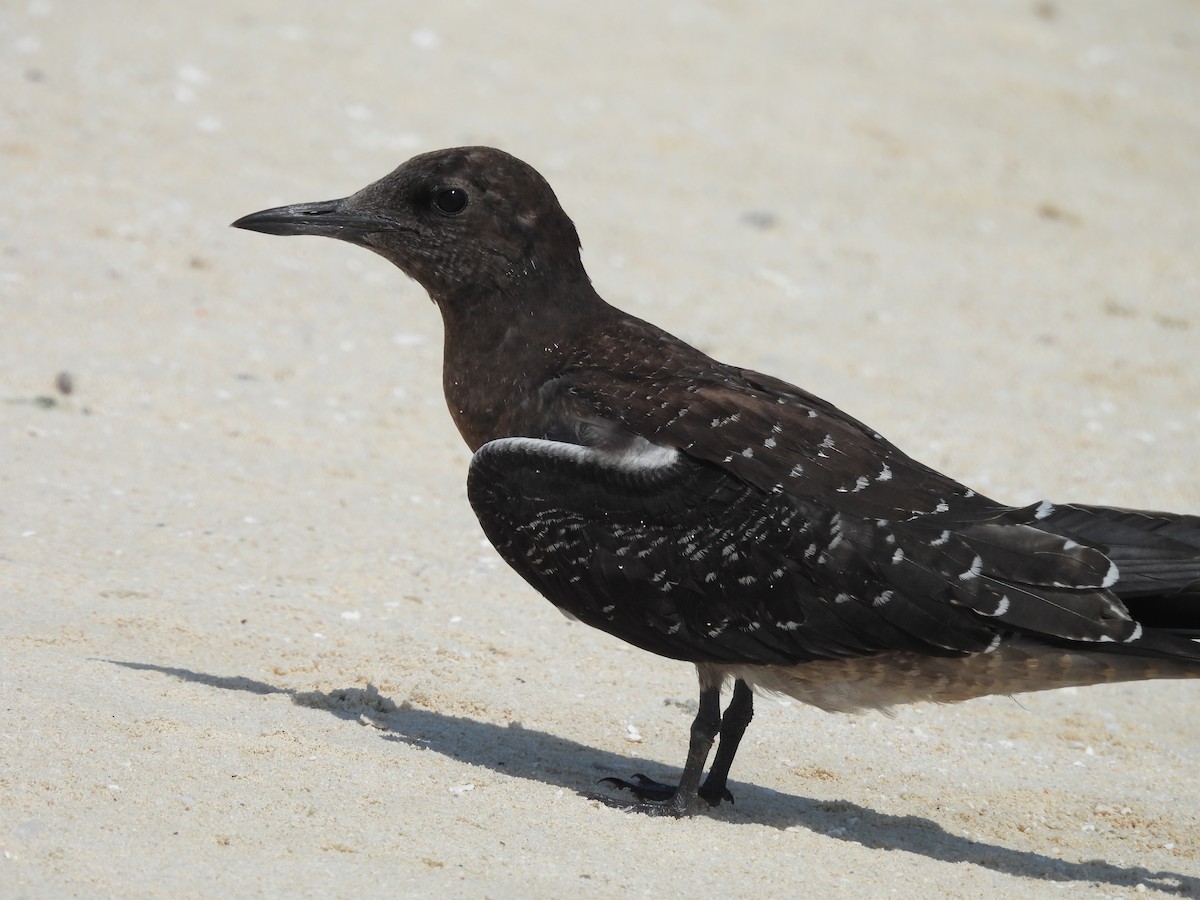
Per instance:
{"type": "Point", "coordinates": [662, 799]}
{"type": "Point", "coordinates": [704, 729]}
{"type": "Point", "coordinates": [737, 716]}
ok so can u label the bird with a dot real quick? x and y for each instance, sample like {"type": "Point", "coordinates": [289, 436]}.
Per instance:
{"type": "Point", "coordinates": [719, 516]}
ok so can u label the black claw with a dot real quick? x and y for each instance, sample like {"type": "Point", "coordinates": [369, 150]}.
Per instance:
{"type": "Point", "coordinates": [653, 797]}
{"type": "Point", "coordinates": [643, 788]}
{"type": "Point", "coordinates": [714, 799]}
{"type": "Point", "coordinates": [646, 807]}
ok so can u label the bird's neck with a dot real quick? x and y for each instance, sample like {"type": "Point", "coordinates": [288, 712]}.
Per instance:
{"type": "Point", "coordinates": [502, 346]}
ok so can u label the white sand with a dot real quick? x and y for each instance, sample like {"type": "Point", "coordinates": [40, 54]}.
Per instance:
{"type": "Point", "coordinates": [251, 641]}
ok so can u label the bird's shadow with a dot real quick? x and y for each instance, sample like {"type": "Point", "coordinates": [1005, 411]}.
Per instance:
{"type": "Point", "coordinates": [535, 755]}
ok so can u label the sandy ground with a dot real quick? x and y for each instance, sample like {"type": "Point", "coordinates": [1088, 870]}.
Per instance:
{"type": "Point", "coordinates": [252, 642]}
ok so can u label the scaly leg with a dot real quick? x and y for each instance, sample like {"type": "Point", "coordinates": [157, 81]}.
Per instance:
{"type": "Point", "coordinates": [737, 716]}
{"type": "Point", "coordinates": [655, 798]}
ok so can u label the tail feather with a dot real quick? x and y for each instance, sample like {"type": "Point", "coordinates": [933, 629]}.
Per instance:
{"type": "Point", "coordinates": [1157, 556]}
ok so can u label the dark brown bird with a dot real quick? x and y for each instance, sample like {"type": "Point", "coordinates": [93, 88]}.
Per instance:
{"type": "Point", "coordinates": [712, 514]}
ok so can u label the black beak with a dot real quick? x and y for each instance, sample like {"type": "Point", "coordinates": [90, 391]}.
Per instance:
{"type": "Point", "coordinates": [328, 218]}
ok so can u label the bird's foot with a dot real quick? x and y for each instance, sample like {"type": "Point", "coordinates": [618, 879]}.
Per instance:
{"type": "Point", "coordinates": [657, 799]}
{"type": "Point", "coordinates": [643, 788]}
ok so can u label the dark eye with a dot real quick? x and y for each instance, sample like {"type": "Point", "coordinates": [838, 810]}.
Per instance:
{"type": "Point", "coordinates": [450, 201]}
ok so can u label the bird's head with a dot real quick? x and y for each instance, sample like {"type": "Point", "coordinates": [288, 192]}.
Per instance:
{"type": "Point", "coordinates": [458, 221]}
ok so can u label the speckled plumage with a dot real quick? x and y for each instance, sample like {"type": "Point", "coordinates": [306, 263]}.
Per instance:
{"type": "Point", "coordinates": [713, 514]}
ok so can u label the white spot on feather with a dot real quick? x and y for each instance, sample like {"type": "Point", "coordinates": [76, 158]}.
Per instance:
{"type": "Point", "coordinates": [718, 629]}
{"type": "Point", "coordinates": [748, 453]}
{"type": "Point", "coordinates": [1045, 508]}
{"type": "Point", "coordinates": [973, 572]}
{"type": "Point", "coordinates": [797, 471]}
{"type": "Point", "coordinates": [769, 443]}
{"type": "Point", "coordinates": [640, 455]}
{"type": "Point", "coordinates": [861, 482]}
{"type": "Point", "coordinates": [885, 473]}
{"type": "Point", "coordinates": [1002, 606]}
{"type": "Point", "coordinates": [1111, 578]}
{"type": "Point", "coordinates": [897, 556]}
{"type": "Point", "coordinates": [1136, 633]}
{"type": "Point", "coordinates": [883, 598]}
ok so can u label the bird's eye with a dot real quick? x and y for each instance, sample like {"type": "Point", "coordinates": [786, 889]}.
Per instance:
{"type": "Point", "coordinates": [450, 201]}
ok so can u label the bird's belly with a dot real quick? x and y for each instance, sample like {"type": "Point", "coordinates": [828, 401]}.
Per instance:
{"type": "Point", "coordinates": [890, 679]}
